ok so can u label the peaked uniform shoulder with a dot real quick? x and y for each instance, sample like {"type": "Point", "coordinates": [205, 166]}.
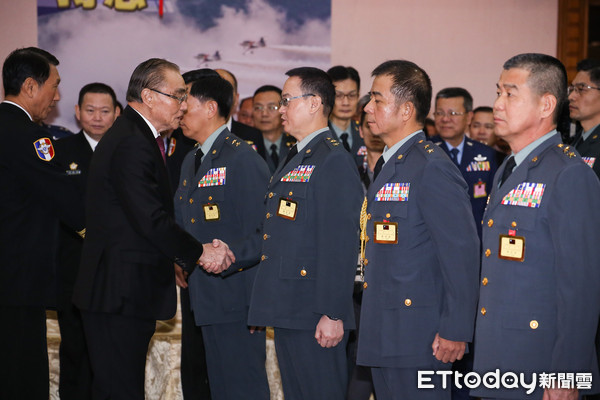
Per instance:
{"type": "Point", "coordinates": [331, 142]}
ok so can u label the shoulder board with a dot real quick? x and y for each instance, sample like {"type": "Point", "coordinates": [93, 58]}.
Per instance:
{"type": "Point", "coordinates": [567, 150]}
{"type": "Point", "coordinates": [331, 142]}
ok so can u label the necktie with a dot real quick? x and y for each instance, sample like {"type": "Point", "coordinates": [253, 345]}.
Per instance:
{"type": "Point", "coordinates": [508, 169]}
{"type": "Point", "coordinates": [274, 155]}
{"type": "Point", "coordinates": [198, 159]}
{"type": "Point", "coordinates": [454, 155]}
{"type": "Point", "coordinates": [378, 167]}
{"type": "Point", "coordinates": [161, 146]}
{"type": "Point", "coordinates": [344, 138]}
{"type": "Point", "coordinates": [292, 153]}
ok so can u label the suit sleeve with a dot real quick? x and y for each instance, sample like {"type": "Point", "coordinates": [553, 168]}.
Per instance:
{"type": "Point", "coordinates": [133, 173]}
{"type": "Point", "coordinates": [446, 209]}
{"type": "Point", "coordinates": [338, 206]}
{"type": "Point", "coordinates": [574, 218]}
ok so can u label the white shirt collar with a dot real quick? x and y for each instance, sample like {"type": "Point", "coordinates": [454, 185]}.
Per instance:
{"type": "Point", "coordinates": [93, 143]}
{"type": "Point", "coordinates": [152, 128]}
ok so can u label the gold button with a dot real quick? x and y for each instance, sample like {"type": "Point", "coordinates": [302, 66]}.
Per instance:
{"type": "Point", "coordinates": [268, 215]}
{"type": "Point", "coordinates": [483, 311]}
{"type": "Point", "coordinates": [484, 281]}
{"type": "Point", "coordinates": [513, 224]}
{"type": "Point", "coordinates": [303, 272]}
{"type": "Point", "coordinates": [263, 257]}
{"type": "Point", "coordinates": [307, 151]}
{"type": "Point", "coordinates": [533, 324]}
{"type": "Point", "coordinates": [209, 198]}
{"type": "Point", "coordinates": [271, 195]}
{"type": "Point", "coordinates": [490, 222]}
{"type": "Point", "coordinates": [180, 197]}
{"type": "Point", "coordinates": [291, 193]}
{"type": "Point", "coordinates": [388, 215]}
{"type": "Point", "coordinates": [407, 302]}
{"type": "Point", "coordinates": [240, 270]}
{"type": "Point", "coordinates": [365, 285]}
{"type": "Point", "coordinates": [265, 236]}
{"type": "Point", "coordinates": [369, 216]}
{"type": "Point", "coordinates": [365, 261]}
{"type": "Point", "coordinates": [191, 201]}
{"type": "Point", "coordinates": [193, 221]}
{"type": "Point", "coordinates": [400, 157]}
{"type": "Point", "coordinates": [184, 182]}
{"type": "Point", "coordinates": [214, 152]}
{"type": "Point", "coordinates": [488, 252]}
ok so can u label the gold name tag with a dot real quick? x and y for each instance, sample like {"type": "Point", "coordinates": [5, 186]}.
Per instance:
{"type": "Point", "coordinates": [512, 248]}
{"type": "Point", "coordinates": [287, 209]}
{"type": "Point", "coordinates": [386, 232]}
{"type": "Point", "coordinates": [211, 212]}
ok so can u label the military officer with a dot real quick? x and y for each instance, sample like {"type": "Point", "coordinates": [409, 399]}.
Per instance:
{"type": "Point", "coordinates": [539, 300]}
{"type": "Point", "coordinates": [421, 262]}
{"type": "Point", "coordinates": [309, 242]}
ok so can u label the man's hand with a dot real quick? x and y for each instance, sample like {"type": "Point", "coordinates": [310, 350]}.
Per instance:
{"type": "Point", "coordinates": [216, 257]}
{"type": "Point", "coordinates": [180, 277]}
{"type": "Point", "coordinates": [561, 394]}
{"type": "Point", "coordinates": [329, 332]}
{"type": "Point", "coordinates": [447, 350]}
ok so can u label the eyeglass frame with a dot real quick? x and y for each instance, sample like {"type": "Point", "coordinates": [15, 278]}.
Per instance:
{"type": "Point", "coordinates": [285, 101]}
{"type": "Point", "coordinates": [450, 114]}
{"type": "Point", "coordinates": [179, 99]}
{"type": "Point", "coordinates": [580, 88]}
{"type": "Point", "coordinates": [353, 95]}
{"type": "Point", "coordinates": [268, 108]}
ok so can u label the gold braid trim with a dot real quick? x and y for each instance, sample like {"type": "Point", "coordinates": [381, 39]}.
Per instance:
{"type": "Point", "coordinates": [363, 237]}
{"type": "Point", "coordinates": [81, 233]}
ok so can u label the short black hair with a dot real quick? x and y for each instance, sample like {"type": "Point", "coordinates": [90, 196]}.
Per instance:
{"type": "Point", "coordinates": [546, 75]}
{"type": "Point", "coordinates": [23, 63]}
{"type": "Point", "coordinates": [196, 74]}
{"type": "Point", "coordinates": [592, 67]}
{"type": "Point", "coordinates": [149, 74]}
{"type": "Point", "coordinates": [451, 92]}
{"type": "Point", "coordinates": [486, 109]}
{"type": "Point", "coordinates": [214, 88]}
{"type": "Point", "coordinates": [267, 88]}
{"type": "Point", "coordinates": [97, 87]}
{"type": "Point", "coordinates": [235, 82]}
{"type": "Point", "coordinates": [362, 103]}
{"type": "Point", "coordinates": [341, 73]}
{"type": "Point", "coordinates": [316, 81]}
{"type": "Point", "coordinates": [409, 83]}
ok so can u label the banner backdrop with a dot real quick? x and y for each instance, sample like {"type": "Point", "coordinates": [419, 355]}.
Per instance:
{"type": "Point", "coordinates": [104, 40]}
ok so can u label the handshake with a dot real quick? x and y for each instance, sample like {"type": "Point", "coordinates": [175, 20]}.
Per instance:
{"type": "Point", "coordinates": [216, 258]}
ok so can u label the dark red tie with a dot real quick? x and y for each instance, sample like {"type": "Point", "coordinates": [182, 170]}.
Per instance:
{"type": "Point", "coordinates": [161, 146]}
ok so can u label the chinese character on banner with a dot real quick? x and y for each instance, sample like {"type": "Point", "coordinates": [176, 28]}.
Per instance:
{"type": "Point", "coordinates": [583, 380]}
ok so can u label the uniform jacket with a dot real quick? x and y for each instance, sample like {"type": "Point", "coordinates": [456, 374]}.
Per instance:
{"type": "Point", "coordinates": [426, 283]}
{"type": "Point", "coordinates": [251, 135]}
{"type": "Point", "coordinates": [239, 199]}
{"type": "Point", "coordinates": [35, 196]}
{"type": "Point", "coordinates": [358, 149]}
{"type": "Point", "coordinates": [286, 144]}
{"type": "Point", "coordinates": [477, 166]}
{"type": "Point", "coordinates": [590, 149]}
{"type": "Point", "coordinates": [308, 261]}
{"type": "Point", "coordinates": [540, 314]}
{"type": "Point", "coordinates": [132, 239]}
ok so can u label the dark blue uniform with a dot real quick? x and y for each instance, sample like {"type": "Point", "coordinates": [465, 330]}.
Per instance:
{"type": "Point", "coordinates": [358, 149]}
{"type": "Point", "coordinates": [225, 199]}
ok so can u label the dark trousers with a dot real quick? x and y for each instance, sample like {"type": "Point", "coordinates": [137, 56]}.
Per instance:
{"type": "Point", "coordinates": [360, 385]}
{"type": "Point", "coordinates": [75, 369]}
{"type": "Point", "coordinates": [236, 362]}
{"type": "Point", "coordinates": [194, 376]}
{"type": "Point", "coordinates": [24, 366]}
{"type": "Point", "coordinates": [117, 346]}
{"type": "Point", "coordinates": [309, 371]}
{"type": "Point", "coordinates": [402, 383]}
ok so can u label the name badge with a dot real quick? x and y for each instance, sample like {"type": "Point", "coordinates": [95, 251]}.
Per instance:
{"type": "Point", "coordinates": [479, 190]}
{"type": "Point", "coordinates": [287, 209]}
{"type": "Point", "coordinates": [386, 232]}
{"type": "Point", "coordinates": [211, 212]}
{"type": "Point", "coordinates": [512, 248]}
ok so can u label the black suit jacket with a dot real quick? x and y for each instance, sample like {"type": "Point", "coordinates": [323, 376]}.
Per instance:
{"type": "Point", "coordinates": [590, 150]}
{"type": "Point", "coordinates": [132, 238]}
{"type": "Point", "coordinates": [251, 135]}
{"type": "Point", "coordinates": [35, 195]}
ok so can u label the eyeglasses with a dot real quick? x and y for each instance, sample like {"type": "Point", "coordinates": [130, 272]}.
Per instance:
{"type": "Point", "coordinates": [269, 108]}
{"type": "Point", "coordinates": [180, 99]}
{"type": "Point", "coordinates": [580, 88]}
{"type": "Point", "coordinates": [450, 114]}
{"type": "Point", "coordinates": [349, 96]}
{"type": "Point", "coordinates": [286, 100]}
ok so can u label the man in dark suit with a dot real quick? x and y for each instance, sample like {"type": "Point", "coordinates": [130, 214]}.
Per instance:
{"type": "Point", "coordinates": [251, 135]}
{"type": "Point", "coordinates": [309, 243]}
{"type": "Point", "coordinates": [476, 161]}
{"type": "Point", "coordinates": [341, 121]}
{"type": "Point", "coordinates": [539, 300]}
{"type": "Point", "coordinates": [126, 279]}
{"type": "Point", "coordinates": [224, 198]}
{"type": "Point", "coordinates": [268, 120]}
{"type": "Point", "coordinates": [96, 112]}
{"type": "Point", "coordinates": [421, 262]}
{"type": "Point", "coordinates": [36, 194]}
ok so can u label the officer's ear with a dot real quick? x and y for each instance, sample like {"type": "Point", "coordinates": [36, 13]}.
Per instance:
{"type": "Point", "coordinates": [315, 103]}
{"type": "Point", "coordinates": [29, 87]}
{"type": "Point", "coordinates": [212, 108]}
{"type": "Point", "coordinates": [408, 110]}
{"type": "Point", "coordinates": [547, 105]}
